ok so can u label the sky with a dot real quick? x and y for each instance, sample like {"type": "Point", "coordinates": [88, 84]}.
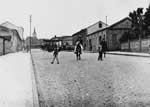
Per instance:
{"type": "Point", "coordinates": [65, 17]}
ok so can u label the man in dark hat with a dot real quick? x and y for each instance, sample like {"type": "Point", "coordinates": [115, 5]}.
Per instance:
{"type": "Point", "coordinates": [104, 47]}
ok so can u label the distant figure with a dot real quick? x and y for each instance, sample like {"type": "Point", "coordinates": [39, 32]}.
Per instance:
{"type": "Point", "coordinates": [25, 47]}
{"type": "Point", "coordinates": [104, 47]}
{"type": "Point", "coordinates": [149, 48]}
{"type": "Point", "coordinates": [78, 50]}
{"type": "Point", "coordinates": [55, 54]}
{"type": "Point", "coordinates": [91, 48]}
{"type": "Point", "coordinates": [100, 52]}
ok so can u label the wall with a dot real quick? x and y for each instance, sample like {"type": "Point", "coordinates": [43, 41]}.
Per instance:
{"type": "Point", "coordinates": [9, 25]}
{"type": "Point", "coordinates": [14, 45]}
{"type": "Point", "coordinates": [8, 46]}
{"type": "Point", "coordinates": [17, 43]}
{"type": "Point", "coordinates": [134, 45]}
{"type": "Point", "coordinates": [118, 28]}
{"type": "Point", "coordinates": [108, 37]}
{"type": "Point", "coordinates": [95, 27]}
{"type": "Point", "coordinates": [111, 43]}
{"type": "Point", "coordinates": [82, 35]}
{"type": "Point", "coordinates": [95, 40]}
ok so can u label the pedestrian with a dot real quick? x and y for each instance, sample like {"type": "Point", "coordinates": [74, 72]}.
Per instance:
{"type": "Point", "coordinates": [78, 50]}
{"type": "Point", "coordinates": [149, 48]}
{"type": "Point", "coordinates": [104, 47]}
{"type": "Point", "coordinates": [100, 52]}
{"type": "Point", "coordinates": [55, 54]}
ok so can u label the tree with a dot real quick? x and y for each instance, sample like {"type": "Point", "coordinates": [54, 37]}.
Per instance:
{"type": "Point", "coordinates": [147, 20]}
{"type": "Point", "coordinates": [137, 24]}
{"type": "Point", "coordinates": [124, 37]}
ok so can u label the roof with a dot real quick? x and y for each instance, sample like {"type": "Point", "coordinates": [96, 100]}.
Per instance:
{"type": "Point", "coordinates": [16, 33]}
{"type": "Point", "coordinates": [5, 33]}
{"type": "Point", "coordinates": [6, 37]}
{"type": "Point", "coordinates": [82, 30]}
{"type": "Point", "coordinates": [55, 38]}
{"type": "Point", "coordinates": [12, 26]}
{"type": "Point", "coordinates": [4, 29]}
{"type": "Point", "coordinates": [96, 23]}
{"type": "Point", "coordinates": [126, 18]}
{"type": "Point", "coordinates": [64, 37]}
{"type": "Point", "coordinates": [111, 26]}
{"type": "Point", "coordinates": [89, 27]}
{"type": "Point", "coordinates": [8, 32]}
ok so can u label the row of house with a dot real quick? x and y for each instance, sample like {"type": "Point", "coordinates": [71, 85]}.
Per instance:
{"type": "Point", "coordinates": [92, 35]}
{"type": "Point", "coordinates": [11, 38]}
{"type": "Point", "coordinates": [63, 41]}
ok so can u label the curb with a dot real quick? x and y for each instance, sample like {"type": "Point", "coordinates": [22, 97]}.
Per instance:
{"type": "Point", "coordinates": [128, 55]}
{"type": "Point", "coordinates": [34, 86]}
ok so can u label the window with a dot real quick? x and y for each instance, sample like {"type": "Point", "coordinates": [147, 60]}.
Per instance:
{"type": "Point", "coordinates": [100, 25]}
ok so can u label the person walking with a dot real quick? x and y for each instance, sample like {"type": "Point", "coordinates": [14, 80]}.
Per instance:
{"type": "Point", "coordinates": [100, 52]}
{"type": "Point", "coordinates": [55, 54]}
{"type": "Point", "coordinates": [104, 47]}
{"type": "Point", "coordinates": [78, 50]}
{"type": "Point", "coordinates": [149, 48]}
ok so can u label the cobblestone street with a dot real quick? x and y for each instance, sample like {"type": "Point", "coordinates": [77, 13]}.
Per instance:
{"type": "Point", "coordinates": [117, 81]}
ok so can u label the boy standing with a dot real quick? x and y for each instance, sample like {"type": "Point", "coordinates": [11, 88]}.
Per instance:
{"type": "Point", "coordinates": [55, 55]}
{"type": "Point", "coordinates": [100, 52]}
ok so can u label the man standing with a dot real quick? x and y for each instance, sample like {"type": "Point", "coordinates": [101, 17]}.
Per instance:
{"type": "Point", "coordinates": [149, 48]}
{"type": "Point", "coordinates": [104, 47]}
{"type": "Point", "coordinates": [100, 52]}
{"type": "Point", "coordinates": [78, 50]}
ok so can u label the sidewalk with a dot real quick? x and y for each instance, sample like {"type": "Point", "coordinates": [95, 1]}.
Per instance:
{"type": "Point", "coordinates": [16, 89]}
{"type": "Point", "coordinates": [129, 53]}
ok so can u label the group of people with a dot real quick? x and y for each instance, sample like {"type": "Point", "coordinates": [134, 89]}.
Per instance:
{"type": "Point", "coordinates": [79, 49]}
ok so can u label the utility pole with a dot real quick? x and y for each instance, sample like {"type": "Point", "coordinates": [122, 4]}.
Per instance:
{"type": "Point", "coordinates": [106, 20]}
{"type": "Point", "coordinates": [3, 46]}
{"type": "Point", "coordinates": [30, 31]}
{"type": "Point", "coordinates": [106, 32]}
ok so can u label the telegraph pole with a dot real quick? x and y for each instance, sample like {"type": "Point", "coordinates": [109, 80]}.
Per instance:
{"type": "Point", "coordinates": [30, 31]}
{"type": "Point", "coordinates": [106, 32]}
{"type": "Point", "coordinates": [106, 20]}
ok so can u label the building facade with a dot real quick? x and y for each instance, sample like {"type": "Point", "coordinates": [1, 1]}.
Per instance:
{"type": "Point", "coordinates": [94, 35]}
{"type": "Point", "coordinates": [81, 35]}
{"type": "Point", "coordinates": [111, 34]}
{"type": "Point", "coordinates": [19, 29]}
{"type": "Point", "coordinates": [115, 32]}
{"type": "Point", "coordinates": [13, 44]}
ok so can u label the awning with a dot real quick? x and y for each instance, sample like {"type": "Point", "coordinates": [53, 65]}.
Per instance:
{"type": "Point", "coordinates": [8, 38]}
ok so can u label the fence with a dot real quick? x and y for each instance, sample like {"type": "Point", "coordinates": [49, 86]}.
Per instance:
{"type": "Point", "coordinates": [135, 45]}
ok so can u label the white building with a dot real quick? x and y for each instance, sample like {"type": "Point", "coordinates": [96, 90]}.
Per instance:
{"type": "Point", "coordinates": [9, 25]}
{"type": "Point", "coordinates": [93, 39]}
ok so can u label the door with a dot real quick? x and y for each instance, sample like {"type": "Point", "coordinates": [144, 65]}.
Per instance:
{"type": "Point", "coordinates": [115, 41]}
{"type": "Point", "coordinates": [90, 44]}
